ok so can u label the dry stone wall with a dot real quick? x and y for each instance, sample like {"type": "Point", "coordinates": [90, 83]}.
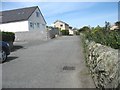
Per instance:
{"type": "Point", "coordinates": [103, 63]}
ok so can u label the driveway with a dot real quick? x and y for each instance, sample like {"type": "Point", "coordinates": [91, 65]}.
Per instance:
{"type": "Point", "coordinates": [57, 63]}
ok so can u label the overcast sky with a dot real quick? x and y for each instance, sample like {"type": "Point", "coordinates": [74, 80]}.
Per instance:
{"type": "Point", "coordinates": [76, 14]}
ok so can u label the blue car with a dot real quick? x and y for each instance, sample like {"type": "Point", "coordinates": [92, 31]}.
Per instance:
{"type": "Point", "coordinates": [4, 51]}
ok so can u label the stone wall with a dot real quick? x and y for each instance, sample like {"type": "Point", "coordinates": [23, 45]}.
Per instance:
{"type": "Point", "coordinates": [53, 32]}
{"type": "Point", "coordinates": [103, 64]}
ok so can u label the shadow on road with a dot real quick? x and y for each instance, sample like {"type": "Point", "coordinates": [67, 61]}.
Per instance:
{"type": "Point", "coordinates": [16, 47]}
{"type": "Point", "coordinates": [10, 59]}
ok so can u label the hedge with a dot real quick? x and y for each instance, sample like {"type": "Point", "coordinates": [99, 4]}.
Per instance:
{"type": "Point", "coordinates": [65, 32]}
{"type": "Point", "coordinates": [7, 36]}
{"type": "Point", "coordinates": [108, 38]}
{"type": "Point", "coordinates": [103, 36]}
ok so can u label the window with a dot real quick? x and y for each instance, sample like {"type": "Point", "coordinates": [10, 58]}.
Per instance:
{"type": "Point", "coordinates": [37, 14]}
{"type": "Point", "coordinates": [31, 25]}
{"type": "Point", "coordinates": [61, 25]}
{"type": "Point", "coordinates": [38, 25]}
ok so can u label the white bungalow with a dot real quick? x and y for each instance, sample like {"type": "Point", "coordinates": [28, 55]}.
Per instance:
{"type": "Point", "coordinates": [23, 19]}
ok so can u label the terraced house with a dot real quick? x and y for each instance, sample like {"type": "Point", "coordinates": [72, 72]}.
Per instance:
{"type": "Point", "coordinates": [23, 19]}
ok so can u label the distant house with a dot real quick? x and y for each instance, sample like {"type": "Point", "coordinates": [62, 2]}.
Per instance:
{"type": "Point", "coordinates": [71, 32]}
{"type": "Point", "coordinates": [114, 27]}
{"type": "Point", "coordinates": [61, 25]}
{"type": "Point", "coordinates": [23, 19]}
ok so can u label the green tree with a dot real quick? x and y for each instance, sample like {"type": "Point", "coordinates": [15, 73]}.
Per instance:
{"type": "Point", "coordinates": [65, 32]}
{"type": "Point", "coordinates": [118, 24]}
{"type": "Point", "coordinates": [107, 26]}
{"type": "Point", "coordinates": [84, 29]}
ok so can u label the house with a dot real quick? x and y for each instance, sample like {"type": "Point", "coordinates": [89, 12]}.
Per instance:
{"type": "Point", "coordinates": [23, 19]}
{"type": "Point", "coordinates": [61, 25]}
{"type": "Point", "coordinates": [71, 32]}
{"type": "Point", "coordinates": [114, 27]}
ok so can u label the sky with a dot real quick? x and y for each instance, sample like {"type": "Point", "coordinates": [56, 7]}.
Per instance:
{"type": "Point", "coordinates": [76, 14]}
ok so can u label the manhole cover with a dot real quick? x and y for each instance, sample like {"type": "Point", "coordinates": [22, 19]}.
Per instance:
{"type": "Point", "coordinates": [68, 68]}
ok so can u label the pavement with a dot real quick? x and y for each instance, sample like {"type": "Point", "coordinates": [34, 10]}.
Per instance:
{"type": "Point", "coordinates": [56, 63]}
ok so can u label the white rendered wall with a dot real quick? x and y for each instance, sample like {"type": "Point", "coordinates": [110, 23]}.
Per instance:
{"type": "Point", "coordinates": [57, 24]}
{"type": "Point", "coordinates": [15, 26]}
{"type": "Point", "coordinates": [71, 32]}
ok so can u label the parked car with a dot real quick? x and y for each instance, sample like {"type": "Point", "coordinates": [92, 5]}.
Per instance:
{"type": "Point", "coordinates": [4, 51]}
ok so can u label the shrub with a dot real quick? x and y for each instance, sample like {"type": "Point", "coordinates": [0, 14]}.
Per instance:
{"type": "Point", "coordinates": [84, 29]}
{"type": "Point", "coordinates": [7, 36]}
{"type": "Point", "coordinates": [104, 37]}
{"type": "Point", "coordinates": [65, 32]}
{"type": "Point", "coordinates": [77, 33]}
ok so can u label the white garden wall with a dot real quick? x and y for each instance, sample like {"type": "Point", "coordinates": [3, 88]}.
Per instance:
{"type": "Point", "coordinates": [15, 26]}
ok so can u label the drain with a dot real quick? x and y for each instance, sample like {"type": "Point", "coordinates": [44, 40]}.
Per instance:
{"type": "Point", "coordinates": [68, 68]}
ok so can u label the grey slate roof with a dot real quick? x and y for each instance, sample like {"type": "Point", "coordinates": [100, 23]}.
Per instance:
{"type": "Point", "coordinates": [17, 14]}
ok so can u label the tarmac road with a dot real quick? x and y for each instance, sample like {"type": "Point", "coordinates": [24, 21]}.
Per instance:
{"type": "Point", "coordinates": [57, 63]}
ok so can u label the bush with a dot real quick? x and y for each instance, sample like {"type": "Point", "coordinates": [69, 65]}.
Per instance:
{"type": "Point", "coordinates": [7, 36]}
{"type": "Point", "coordinates": [84, 29]}
{"type": "Point", "coordinates": [104, 37]}
{"type": "Point", "coordinates": [65, 32]}
{"type": "Point", "coordinates": [77, 33]}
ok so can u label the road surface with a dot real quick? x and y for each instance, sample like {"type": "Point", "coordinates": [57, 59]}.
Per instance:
{"type": "Point", "coordinates": [57, 63]}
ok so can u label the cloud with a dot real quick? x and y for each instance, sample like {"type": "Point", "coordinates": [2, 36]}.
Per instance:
{"type": "Point", "coordinates": [94, 20]}
{"type": "Point", "coordinates": [50, 9]}
{"type": "Point", "coordinates": [53, 9]}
